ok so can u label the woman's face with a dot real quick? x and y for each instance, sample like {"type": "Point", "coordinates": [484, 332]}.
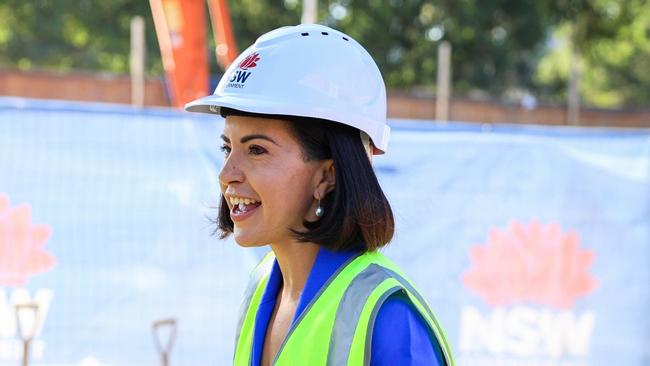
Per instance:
{"type": "Point", "coordinates": [268, 185]}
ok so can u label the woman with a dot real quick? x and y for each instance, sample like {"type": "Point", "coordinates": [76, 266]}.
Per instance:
{"type": "Point", "coordinates": [305, 111]}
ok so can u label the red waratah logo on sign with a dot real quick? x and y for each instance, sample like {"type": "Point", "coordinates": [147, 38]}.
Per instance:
{"type": "Point", "coordinates": [21, 245]}
{"type": "Point", "coordinates": [250, 61]}
{"type": "Point", "coordinates": [534, 263]}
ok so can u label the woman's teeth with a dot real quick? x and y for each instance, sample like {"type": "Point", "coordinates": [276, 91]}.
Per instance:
{"type": "Point", "coordinates": [243, 204]}
{"type": "Point", "coordinates": [238, 200]}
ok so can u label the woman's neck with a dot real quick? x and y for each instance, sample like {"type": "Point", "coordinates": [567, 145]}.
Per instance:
{"type": "Point", "coordinates": [296, 261]}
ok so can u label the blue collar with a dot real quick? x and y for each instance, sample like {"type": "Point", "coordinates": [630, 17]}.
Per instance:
{"type": "Point", "coordinates": [326, 264]}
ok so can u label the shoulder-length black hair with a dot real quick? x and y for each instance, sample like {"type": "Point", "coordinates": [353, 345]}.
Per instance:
{"type": "Point", "coordinates": [357, 213]}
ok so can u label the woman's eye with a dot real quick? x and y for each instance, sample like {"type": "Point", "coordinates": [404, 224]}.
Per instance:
{"type": "Point", "coordinates": [225, 149]}
{"type": "Point", "coordinates": [256, 150]}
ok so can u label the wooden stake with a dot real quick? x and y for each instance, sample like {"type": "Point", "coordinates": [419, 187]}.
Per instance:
{"type": "Point", "coordinates": [309, 11]}
{"type": "Point", "coordinates": [137, 59]}
{"type": "Point", "coordinates": [443, 86]}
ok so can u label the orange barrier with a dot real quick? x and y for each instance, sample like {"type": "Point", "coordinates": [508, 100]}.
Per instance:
{"type": "Point", "coordinates": [180, 27]}
{"type": "Point", "coordinates": [223, 34]}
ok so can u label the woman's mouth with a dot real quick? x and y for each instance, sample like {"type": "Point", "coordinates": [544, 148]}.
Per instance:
{"type": "Point", "coordinates": [242, 208]}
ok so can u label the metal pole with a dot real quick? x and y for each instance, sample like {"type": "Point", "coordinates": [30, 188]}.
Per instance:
{"type": "Point", "coordinates": [443, 86]}
{"type": "Point", "coordinates": [309, 11]}
{"type": "Point", "coordinates": [137, 59]}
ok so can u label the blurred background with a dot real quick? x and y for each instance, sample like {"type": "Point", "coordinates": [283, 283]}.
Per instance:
{"type": "Point", "coordinates": [505, 55]}
{"type": "Point", "coordinates": [519, 173]}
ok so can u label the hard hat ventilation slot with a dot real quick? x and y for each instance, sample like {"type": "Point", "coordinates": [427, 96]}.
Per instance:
{"type": "Point", "coordinates": [324, 33]}
{"type": "Point", "coordinates": [345, 38]}
{"type": "Point", "coordinates": [304, 34]}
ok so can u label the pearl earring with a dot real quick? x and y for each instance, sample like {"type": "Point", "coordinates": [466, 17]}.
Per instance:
{"type": "Point", "coordinates": [319, 210]}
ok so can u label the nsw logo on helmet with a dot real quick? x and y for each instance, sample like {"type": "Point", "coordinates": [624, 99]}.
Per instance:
{"type": "Point", "coordinates": [250, 61]}
{"type": "Point", "coordinates": [240, 75]}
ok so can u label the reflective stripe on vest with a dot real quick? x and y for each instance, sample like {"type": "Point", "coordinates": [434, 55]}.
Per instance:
{"type": "Point", "coordinates": [248, 310]}
{"type": "Point", "coordinates": [336, 326]}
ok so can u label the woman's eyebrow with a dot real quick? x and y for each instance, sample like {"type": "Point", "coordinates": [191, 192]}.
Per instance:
{"type": "Point", "coordinates": [247, 138]}
{"type": "Point", "coordinates": [257, 136]}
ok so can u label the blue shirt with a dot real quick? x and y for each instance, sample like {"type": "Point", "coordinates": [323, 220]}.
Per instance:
{"type": "Point", "coordinates": [400, 335]}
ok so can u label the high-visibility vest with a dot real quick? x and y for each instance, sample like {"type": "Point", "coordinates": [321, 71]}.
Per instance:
{"type": "Point", "coordinates": [333, 328]}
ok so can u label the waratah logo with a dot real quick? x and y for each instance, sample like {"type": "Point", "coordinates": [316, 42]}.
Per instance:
{"type": "Point", "coordinates": [534, 263]}
{"type": "Point", "coordinates": [22, 252]}
{"type": "Point", "coordinates": [250, 61]}
{"type": "Point", "coordinates": [531, 277]}
{"type": "Point", "coordinates": [239, 77]}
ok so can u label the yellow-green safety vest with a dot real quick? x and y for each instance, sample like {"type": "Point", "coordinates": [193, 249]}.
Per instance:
{"type": "Point", "coordinates": [333, 329]}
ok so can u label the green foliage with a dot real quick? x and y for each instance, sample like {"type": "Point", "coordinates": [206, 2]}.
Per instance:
{"type": "Point", "coordinates": [252, 18]}
{"type": "Point", "coordinates": [498, 46]}
{"type": "Point", "coordinates": [65, 35]}
{"type": "Point", "coordinates": [495, 42]}
{"type": "Point", "coordinates": [394, 34]}
{"type": "Point", "coordinates": [612, 39]}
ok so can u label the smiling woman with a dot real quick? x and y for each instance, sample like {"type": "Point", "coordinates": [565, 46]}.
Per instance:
{"type": "Point", "coordinates": [300, 133]}
{"type": "Point", "coordinates": [300, 150]}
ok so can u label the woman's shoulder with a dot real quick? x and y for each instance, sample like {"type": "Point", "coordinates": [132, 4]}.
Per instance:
{"type": "Point", "coordinates": [401, 335]}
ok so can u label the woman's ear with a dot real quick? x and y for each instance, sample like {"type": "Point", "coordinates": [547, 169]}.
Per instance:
{"type": "Point", "coordinates": [325, 178]}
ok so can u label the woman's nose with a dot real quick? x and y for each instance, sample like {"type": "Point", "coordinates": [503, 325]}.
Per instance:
{"type": "Point", "coordinates": [230, 172]}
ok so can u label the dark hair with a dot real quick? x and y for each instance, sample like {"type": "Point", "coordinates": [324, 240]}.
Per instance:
{"type": "Point", "coordinates": [357, 213]}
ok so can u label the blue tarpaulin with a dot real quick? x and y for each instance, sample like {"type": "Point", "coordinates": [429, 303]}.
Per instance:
{"type": "Point", "coordinates": [532, 244]}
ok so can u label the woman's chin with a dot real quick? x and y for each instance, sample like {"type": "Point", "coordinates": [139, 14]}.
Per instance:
{"type": "Point", "coordinates": [248, 242]}
{"type": "Point", "coordinates": [250, 245]}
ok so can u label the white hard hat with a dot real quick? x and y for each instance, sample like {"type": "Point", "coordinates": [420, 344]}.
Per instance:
{"type": "Point", "coordinates": [307, 70]}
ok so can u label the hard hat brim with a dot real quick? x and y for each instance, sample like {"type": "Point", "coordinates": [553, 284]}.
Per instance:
{"type": "Point", "coordinates": [213, 104]}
